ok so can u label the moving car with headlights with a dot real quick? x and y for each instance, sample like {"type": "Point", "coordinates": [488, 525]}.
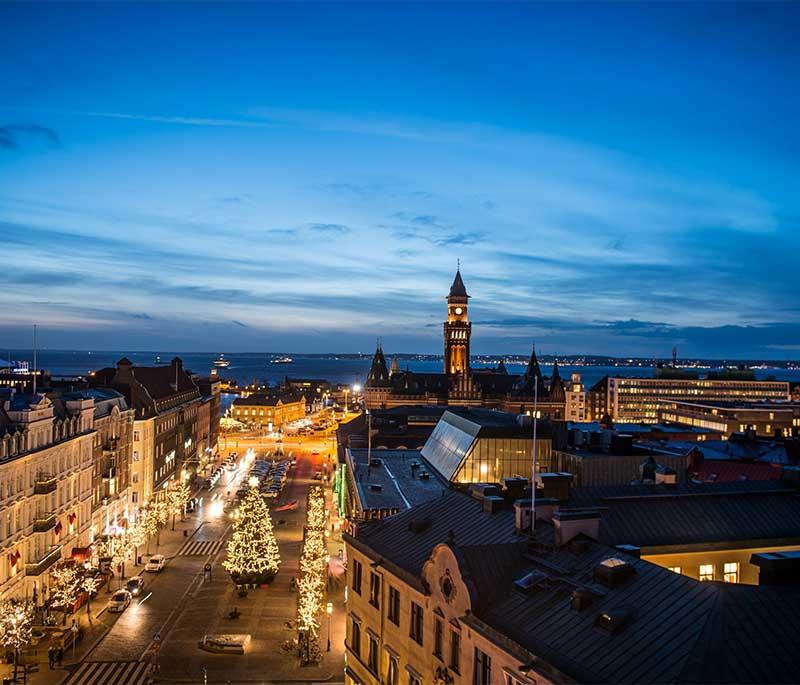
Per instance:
{"type": "Point", "coordinates": [135, 585]}
{"type": "Point", "coordinates": [119, 601]}
{"type": "Point", "coordinates": [156, 563]}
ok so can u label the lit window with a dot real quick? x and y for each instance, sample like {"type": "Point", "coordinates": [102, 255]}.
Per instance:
{"type": "Point", "coordinates": [675, 569]}
{"type": "Point", "coordinates": [706, 571]}
{"type": "Point", "coordinates": [731, 572]}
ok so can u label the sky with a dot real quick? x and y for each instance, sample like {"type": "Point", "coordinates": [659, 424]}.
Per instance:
{"type": "Point", "coordinates": [615, 179]}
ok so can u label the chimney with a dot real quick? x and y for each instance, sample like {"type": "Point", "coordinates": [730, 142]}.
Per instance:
{"type": "Point", "coordinates": [545, 508]}
{"type": "Point", "coordinates": [572, 522]}
{"type": "Point", "coordinates": [177, 366]}
{"type": "Point", "coordinates": [777, 568]}
{"type": "Point", "coordinates": [666, 476]}
{"type": "Point", "coordinates": [556, 485]}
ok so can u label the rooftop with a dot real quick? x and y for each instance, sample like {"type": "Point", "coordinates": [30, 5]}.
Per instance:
{"type": "Point", "coordinates": [391, 482]}
{"type": "Point", "coordinates": [267, 399]}
{"type": "Point", "coordinates": [654, 626]}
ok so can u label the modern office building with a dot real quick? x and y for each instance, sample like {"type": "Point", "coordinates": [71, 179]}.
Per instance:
{"type": "Point", "coordinates": [767, 419]}
{"type": "Point", "coordinates": [641, 399]}
{"type": "Point", "coordinates": [486, 446]}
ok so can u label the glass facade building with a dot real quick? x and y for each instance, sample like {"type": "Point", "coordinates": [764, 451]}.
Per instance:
{"type": "Point", "coordinates": [483, 446]}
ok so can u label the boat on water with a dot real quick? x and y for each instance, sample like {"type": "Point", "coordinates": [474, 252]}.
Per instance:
{"type": "Point", "coordinates": [221, 362]}
{"type": "Point", "coordinates": [281, 360]}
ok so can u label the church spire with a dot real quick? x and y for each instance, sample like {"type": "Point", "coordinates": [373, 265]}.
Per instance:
{"type": "Point", "coordinates": [458, 289]}
{"type": "Point", "coordinates": [378, 373]}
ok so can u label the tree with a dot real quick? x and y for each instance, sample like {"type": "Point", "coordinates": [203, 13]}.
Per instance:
{"type": "Point", "coordinates": [138, 536]}
{"type": "Point", "coordinates": [158, 513]}
{"type": "Point", "coordinates": [89, 585]}
{"type": "Point", "coordinates": [65, 588]}
{"type": "Point", "coordinates": [313, 574]}
{"type": "Point", "coordinates": [177, 496]}
{"type": "Point", "coordinates": [15, 627]}
{"type": "Point", "coordinates": [253, 554]}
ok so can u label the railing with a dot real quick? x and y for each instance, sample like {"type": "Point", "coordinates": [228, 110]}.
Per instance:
{"type": "Point", "coordinates": [45, 484]}
{"type": "Point", "coordinates": [41, 524]}
{"type": "Point", "coordinates": [48, 558]}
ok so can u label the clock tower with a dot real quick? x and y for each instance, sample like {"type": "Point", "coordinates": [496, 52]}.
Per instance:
{"type": "Point", "coordinates": [457, 329]}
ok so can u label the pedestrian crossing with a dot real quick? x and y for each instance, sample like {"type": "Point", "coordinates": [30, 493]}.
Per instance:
{"type": "Point", "coordinates": [199, 548]}
{"type": "Point", "coordinates": [110, 673]}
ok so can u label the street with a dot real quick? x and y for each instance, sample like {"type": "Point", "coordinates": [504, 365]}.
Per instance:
{"type": "Point", "coordinates": [181, 604]}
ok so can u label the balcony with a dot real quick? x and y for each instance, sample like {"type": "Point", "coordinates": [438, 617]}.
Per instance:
{"type": "Point", "coordinates": [45, 484]}
{"type": "Point", "coordinates": [44, 562]}
{"type": "Point", "coordinates": [41, 524]}
{"type": "Point", "coordinates": [109, 473]}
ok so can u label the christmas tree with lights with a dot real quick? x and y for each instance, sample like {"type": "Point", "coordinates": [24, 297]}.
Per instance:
{"type": "Point", "coordinates": [253, 555]}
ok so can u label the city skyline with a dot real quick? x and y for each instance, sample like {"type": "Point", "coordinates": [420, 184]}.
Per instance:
{"type": "Point", "coordinates": [262, 182]}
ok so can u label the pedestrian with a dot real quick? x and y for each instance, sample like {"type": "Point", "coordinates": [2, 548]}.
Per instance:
{"type": "Point", "coordinates": [51, 656]}
{"type": "Point", "coordinates": [60, 656]}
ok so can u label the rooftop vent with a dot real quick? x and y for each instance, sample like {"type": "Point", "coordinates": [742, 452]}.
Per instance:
{"type": "Point", "coordinates": [530, 580]}
{"type": "Point", "coordinates": [581, 598]}
{"type": "Point", "coordinates": [613, 620]}
{"type": "Point", "coordinates": [375, 462]}
{"type": "Point", "coordinates": [419, 525]}
{"type": "Point", "coordinates": [424, 475]}
{"type": "Point", "coordinates": [375, 487]}
{"type": "Point", "coordinates": [613, 572]}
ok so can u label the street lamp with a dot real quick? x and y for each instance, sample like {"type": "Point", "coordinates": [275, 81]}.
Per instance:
{"type": "Point", "coordinates": [329, 610]}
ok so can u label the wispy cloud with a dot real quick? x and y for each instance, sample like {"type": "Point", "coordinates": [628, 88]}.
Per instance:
{"type": "Point", "coordinates": [12, 136]}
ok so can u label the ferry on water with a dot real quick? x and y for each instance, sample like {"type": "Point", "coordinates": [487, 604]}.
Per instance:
{"type": "Point", "coordinates": [221, 362]}
{"type": "Point", "coordinates": [282, 360]}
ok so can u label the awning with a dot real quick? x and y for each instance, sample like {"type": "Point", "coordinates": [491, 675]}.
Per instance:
{"type": "Point", "coordinates": [81, 553]}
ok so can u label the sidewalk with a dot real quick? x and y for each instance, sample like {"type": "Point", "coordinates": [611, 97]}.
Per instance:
{"type": "Point", "coordinates": [95, 630]}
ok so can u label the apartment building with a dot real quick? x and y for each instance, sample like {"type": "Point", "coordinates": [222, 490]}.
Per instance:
{"type": "Point", "coordinates": [46, 476]}
{"type": "Point", "coordinates": [457, 591]}
{"type": "Point", "coordinates": [165, 401]}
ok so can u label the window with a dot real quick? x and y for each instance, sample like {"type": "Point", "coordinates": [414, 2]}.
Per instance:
{"type": "Point", "coordinates": [393, 672]}
{"type": "Point", "coordinates": [375, 590]}
{"type": "Point", "coordinates": [455, 650]}
{"type": "Point", "coordinates": [414, 680]}
{"type": "Point", "coordinates": [357, 576]}
{"type": "Point", "coordinates": [135, 455]}
{"type": "Point", "coordinates": [134, 497]}
{"type": "Point", "coordinates": [416, 623]}
{"type": "Point", "coordinates": [355, 638]}
{"type": "Point", "coordinates": [482, 672]}
{"type": "Point", "coordinates": [372, 660]}
{"type": "Point", "coordinates": [437, 638]}
{"type": "Point", "coordinates": [706, 571]}
{"type": "Point", "coordinates": [731, 572]}
{"type": "Point", "coordinates": [394, 605]}
{"type": "Point", "coordinates": [135, 478]}
{"type": "Point", "coordinates": [135, 437]}
{"type": "Point", "coordinates": [674, 569]}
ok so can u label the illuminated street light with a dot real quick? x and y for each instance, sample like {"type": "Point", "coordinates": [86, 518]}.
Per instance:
{"type": "Point", "coordinates": [329, 610]}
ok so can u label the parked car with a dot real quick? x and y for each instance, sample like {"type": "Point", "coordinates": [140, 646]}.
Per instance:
{"type": "Point", "coordinates": [119, 601]}
{"type": "Point", "coordinates": [191, 505]}
{"type": "Point", "coordinates": [318, 475]}
{"type": "Point", "coordinates": [155, 564]}
{"type": "Point", "coordinates": [135, 585]}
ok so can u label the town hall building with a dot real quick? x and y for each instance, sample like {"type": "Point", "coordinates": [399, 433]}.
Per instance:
{"type": "Point", "coordinates": [458, 384]}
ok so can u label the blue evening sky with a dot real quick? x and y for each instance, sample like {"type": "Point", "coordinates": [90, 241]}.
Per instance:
{"type": "Point", "coordinates": [616, 179]}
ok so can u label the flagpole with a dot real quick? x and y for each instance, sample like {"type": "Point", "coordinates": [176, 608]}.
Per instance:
{"type": "Point", "coordinates": [533, 470]}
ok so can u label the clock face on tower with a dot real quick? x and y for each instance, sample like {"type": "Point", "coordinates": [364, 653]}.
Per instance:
{"type": "Point", "coordinates": [459, 311]}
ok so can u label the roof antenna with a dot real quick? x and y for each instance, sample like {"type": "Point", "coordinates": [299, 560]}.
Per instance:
{"type": "Point", "coordinates": [458, 263]}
